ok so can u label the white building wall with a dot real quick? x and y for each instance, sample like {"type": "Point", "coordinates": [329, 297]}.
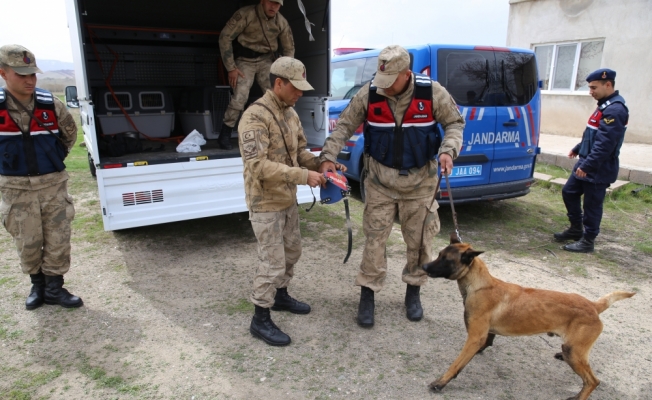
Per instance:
{"type": "Point", "coordinates": [625, 26]}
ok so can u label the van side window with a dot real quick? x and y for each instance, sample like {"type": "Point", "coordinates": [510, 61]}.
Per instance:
{"type": "Point", "coordinates": [519, 74]}
{"type": "Point", "coordinates": [466, 74]}
{"type": "Point", "coordinates": [369, 69]}
{"type": "Point", "coordinates": [344, 76]}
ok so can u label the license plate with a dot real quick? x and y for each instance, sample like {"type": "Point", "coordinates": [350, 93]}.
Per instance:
{"type": "Point", "coordinates": [467, 170]}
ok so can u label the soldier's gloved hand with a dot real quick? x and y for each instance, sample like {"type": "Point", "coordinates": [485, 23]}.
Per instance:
{"type": "Point", "coordinates": [233, 77]}
{"type": "Point", "coordinates": [315, 179]}
{"type": "Point", "coordinates": [446, 163]}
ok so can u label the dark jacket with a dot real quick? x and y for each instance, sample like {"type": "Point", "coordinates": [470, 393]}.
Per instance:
{"type": "Point", "coordinates": [602, 140]}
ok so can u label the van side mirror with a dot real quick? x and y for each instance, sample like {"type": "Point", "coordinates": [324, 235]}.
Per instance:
{"type": "Point", "coordinates": [71, 97]}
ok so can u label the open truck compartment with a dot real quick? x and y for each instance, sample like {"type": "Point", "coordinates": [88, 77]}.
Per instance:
{"type": "Point", "coordinates": [157, 70]}
{"type": "Point", "coordinates": [159, 63]}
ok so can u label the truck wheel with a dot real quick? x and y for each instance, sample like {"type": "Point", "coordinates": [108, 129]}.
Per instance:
{"type": "Point", "coordinates": [91, 166]}
{"type": "Point", "coordinates": [363, 176]}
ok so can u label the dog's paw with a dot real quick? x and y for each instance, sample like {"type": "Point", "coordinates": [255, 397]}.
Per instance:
{"type": "Point", "coordinates": [559, 356]}
{"type": "Point", "coordinates": [436, 386]}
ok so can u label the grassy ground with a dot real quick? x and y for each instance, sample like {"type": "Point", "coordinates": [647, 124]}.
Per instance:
{"type": "Point", "coordinates": [108, 349]}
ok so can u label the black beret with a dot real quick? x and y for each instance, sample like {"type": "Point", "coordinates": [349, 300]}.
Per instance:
{"type": "Point", "coordinates": [601, 75]}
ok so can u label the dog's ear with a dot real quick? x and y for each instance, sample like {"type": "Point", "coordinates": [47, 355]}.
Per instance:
{"type": "Point", "coordinates": [468, 256]}
{"type": "Point", "coordinates": [454, 238]}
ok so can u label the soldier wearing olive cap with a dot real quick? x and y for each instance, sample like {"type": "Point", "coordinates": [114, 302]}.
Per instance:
{"type": "Point", "coordinates": [273, 148]}
{"type": "Point", "coordinates": [248, 44]}
{"type": "Point", "coordinates": [598, 163]}
{"type": "Point", "coordinates": [36, 133]}
{"type": "Point", "coordinates": [401, 110]}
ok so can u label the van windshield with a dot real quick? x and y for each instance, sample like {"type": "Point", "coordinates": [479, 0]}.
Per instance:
{"type": "Point", "coordinates": [487, 79]}
{"type": "Point", "coordinates": [347, 77]}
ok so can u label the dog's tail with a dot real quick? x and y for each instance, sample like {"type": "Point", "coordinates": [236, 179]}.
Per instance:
{"type": "Point", "coordinates": [606, 301]}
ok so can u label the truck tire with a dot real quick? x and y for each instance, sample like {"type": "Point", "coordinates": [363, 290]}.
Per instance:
{"type": "Point", "coordinates": [91, 166]}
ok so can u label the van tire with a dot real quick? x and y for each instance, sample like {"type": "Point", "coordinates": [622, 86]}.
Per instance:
{"type": "Point", "coordinates": [91, 166]}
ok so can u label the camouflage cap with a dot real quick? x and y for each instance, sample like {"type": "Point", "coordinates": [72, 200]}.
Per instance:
{"type": "Point", "coordinates": [293, 70]}
{"type": "Point", "coordinates": [391, 60]}
{"type": "Point", "coordinates": [18, 58]}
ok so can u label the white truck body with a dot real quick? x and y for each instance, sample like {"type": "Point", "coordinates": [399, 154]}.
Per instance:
{"type": "Point", "coordinates": [172, 46]}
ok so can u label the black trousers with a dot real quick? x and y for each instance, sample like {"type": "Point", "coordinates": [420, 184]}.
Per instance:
{"type": "Point", "coordinates": [590, 214]}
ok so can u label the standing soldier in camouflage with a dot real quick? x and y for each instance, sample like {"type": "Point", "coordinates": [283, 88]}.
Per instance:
{"type": "Point", "coordinates": [248, 44]}
{"type": "Point", "coordinates": [273, 148]}
{"type": "Point", "coordinates": [401, 110]}
{"type": "Point", "coordinates": [36, 133]}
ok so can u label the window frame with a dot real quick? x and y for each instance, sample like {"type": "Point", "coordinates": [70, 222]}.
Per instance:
{"type": "Point", "coordinates": [576, 63]}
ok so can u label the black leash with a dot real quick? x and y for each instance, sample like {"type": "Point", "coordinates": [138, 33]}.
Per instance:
{"type": "Point", "coordinates": [348, 228]}
{"type": "Point", "coordinates": [455, 234]}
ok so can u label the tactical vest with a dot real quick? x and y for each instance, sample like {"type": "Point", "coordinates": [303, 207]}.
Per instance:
{"type": "Point", "coordinates": [35, 152]}
{"type": "Point", "coordinates": [411, 144]}
{"type": "Point", "coordinates": [588, 138]}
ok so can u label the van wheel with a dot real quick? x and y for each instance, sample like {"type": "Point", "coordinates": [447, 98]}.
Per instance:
{"type": "Point", "coordinates": [91, 166]}
{"type": "Point", "coordinates": [363, 176]}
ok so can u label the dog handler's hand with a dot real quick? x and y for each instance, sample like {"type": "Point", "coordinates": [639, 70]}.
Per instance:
{"type": "Point", "coordinates": [580, 173]}
{"type": "Point", "coordinates": [446, 163]}
{"type": "Point", "coordinates": [327, 166]}
{"type": "Point", "coordinates": [315, 179]}
{"type": "Point", "coordinates": [233, 77]}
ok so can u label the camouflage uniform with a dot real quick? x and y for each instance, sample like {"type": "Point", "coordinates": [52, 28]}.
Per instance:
{"type": "Point", "coordinates": [37, 210]}
{"type": "Point", "coordinates": [244, 26]}
{"type": "Point", "coordinates": [387, 192]}
{"type": "Point", "coordinates": [271, 177]}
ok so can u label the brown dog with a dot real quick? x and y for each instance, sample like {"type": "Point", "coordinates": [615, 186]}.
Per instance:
{"type": "Point", "coordinates": [493, 307]}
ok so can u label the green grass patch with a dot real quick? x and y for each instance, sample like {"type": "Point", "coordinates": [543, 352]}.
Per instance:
{"type": "Point", "coordinates": [241, 306]}
{"type": "Point", "coordinates": [25, 388]}
{"type": "Point", "coordinates": [103, 380]}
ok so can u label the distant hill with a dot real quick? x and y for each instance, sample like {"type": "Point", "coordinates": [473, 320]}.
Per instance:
{"type": "Point", "coordinates": [56, 75]}
{"type": "Point", "coordinates": [53, 80]}
{"type": "Point", "coordinates": [54, 65]}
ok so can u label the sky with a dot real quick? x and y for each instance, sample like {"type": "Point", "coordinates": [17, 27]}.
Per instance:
{"type": "Point", "coordinates": [354, 23]}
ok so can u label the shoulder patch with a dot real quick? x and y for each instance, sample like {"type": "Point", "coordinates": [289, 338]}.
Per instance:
{"type": "Point", "coordinates": [609, 120]}
{"type": "Point", "coordinates": [248, 136]}
{"type": "Point", "coordinates": [237, 16]}
{"type": "Point", "coordinates": [249, 150]}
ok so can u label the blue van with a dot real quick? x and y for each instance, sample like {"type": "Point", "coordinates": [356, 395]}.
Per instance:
{"type": "Point", "coordinates": [496, 89]}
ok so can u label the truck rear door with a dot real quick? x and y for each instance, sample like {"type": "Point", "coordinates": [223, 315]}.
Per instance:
{"type": "Point", "coordinates": [467, 75]}
{"type": "Point", "coordinates": [518, 103]}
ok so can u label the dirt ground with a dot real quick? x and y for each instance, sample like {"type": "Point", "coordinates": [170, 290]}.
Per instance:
{"type": "Point", "coordinates": [166, 316]}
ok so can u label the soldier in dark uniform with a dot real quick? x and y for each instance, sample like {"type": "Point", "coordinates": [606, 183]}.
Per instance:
{"type": "Point", "coordinates": [598, 164]}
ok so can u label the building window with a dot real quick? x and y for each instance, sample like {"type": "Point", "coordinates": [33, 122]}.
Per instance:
{"type": "Point", "coordinates": [564, 66]}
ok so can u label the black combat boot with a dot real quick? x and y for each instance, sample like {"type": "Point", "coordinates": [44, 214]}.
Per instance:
{"type": "Point", "coordinates": [263, 327]}
{"type": "Point", "coordinates": [284, 302]}
{"type": "Point", "coordinates": [56, 294]}
{"type": "Point", "coordinates": [584, 245]}
{"type": "Point", "coordinates": [224, 140]}
{"type": "Point", "coordinates": [35, 298]}
{"type": "Point", "coordinates": [413, 308]}
{"type": "Point", "coordinates": [575, 232]}
{"type": "Point", "coordinates": [366, 307]}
